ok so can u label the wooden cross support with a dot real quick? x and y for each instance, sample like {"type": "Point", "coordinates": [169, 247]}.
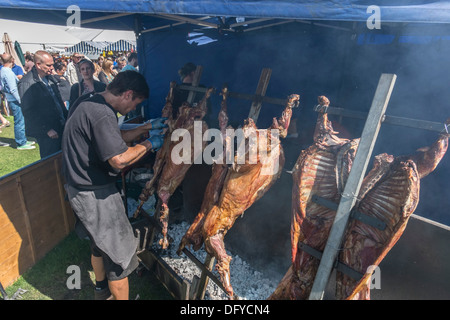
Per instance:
{"type": "Point", "coordinates": [260, 92]}
{"type": "Point", "coordinates": [195, 83]}
{"type": "Point", "coordinates": [257, 98]}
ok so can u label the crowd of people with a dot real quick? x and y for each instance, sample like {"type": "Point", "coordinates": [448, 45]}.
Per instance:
{"type": "Point", "coordinates": [40, 94]}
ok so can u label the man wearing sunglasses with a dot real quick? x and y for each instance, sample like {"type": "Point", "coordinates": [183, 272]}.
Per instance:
{"type": "Point", "coordinates": [42, 106]}
{"type": "Point", "coordinates": [73, 74]}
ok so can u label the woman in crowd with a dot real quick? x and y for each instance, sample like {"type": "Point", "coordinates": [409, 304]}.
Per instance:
{"type": "Point", "coordinates": [106, 75]}
{"type": "Point", "coordinates": [98, 67]}
{"type": "Point", "coordinates": [88, 84]}
{"type": "Point", "coordinates": [63, 82]}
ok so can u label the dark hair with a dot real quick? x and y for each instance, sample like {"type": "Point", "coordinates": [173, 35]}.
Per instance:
{"type": "Point", "coordinates": [186, 70]}
{"type": "Point", "coordinates": [129, 80]}
{"type": "Point", "coordinates": [59, 65]}
{"type": "Point", "coordinates": [132, 56]}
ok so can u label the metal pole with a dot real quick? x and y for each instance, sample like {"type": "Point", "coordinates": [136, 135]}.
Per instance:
{"type": "Point", "coordinates": [351, 190]}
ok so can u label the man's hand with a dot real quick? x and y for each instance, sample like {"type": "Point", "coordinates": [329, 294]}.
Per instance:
{"type": "Point", "coordinates": [158, 123]}
{"type": "Point", "coordinates": [52, 134]}
{"type": "Point", "coordinates": [156, 141]}
{"type": "Point", "coordinates": [155, 132]}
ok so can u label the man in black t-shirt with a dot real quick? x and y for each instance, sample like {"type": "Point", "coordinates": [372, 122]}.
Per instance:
{"type": "Point", "coordinates": [94, 152]}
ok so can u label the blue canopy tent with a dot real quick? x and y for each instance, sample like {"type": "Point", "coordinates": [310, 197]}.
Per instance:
{"type": "Point", "coordinates": [346, 10]}
{"type": "Point", "coordinates": [334, 48]}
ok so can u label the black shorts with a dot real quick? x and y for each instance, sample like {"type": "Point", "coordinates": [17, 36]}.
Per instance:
{"type": "Point", "coordinates": [100, 215]}
{"type": "Point", "coordinates": [113, 271]}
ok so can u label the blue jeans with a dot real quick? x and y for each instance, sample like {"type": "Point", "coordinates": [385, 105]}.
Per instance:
{"type": "Point", "coordinates": [19, 123]}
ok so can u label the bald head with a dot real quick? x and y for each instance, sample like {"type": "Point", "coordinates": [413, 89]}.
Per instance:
{"type": "Point", "coordinates": [6, 59]}
{"type": "Point", "coordinates": [43, 62]}
{"type": "Point", "coordinates": [41, 55]}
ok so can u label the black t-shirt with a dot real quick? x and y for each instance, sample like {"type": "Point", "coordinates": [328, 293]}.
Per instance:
{"type": "Point", "coordinates": [91, 137]}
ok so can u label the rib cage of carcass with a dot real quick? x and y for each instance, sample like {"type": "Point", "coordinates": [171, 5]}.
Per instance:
{"type": "Point", "coordinates": [232, 189]}
{"type": "Point", "coordinates": [168, 174]}
{"type": "Point", "coordinates": [389, 193]}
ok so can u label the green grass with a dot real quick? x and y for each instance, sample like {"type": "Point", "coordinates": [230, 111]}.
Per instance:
{"type": "Point", "coordinates": [47, 279]}
{"type": "Point", "coordinates": [12, 159]}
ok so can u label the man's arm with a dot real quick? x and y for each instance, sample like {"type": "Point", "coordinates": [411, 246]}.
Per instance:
{"type": "Point", "coordinates": [132, 131]}
{"type": "Point", "coordinates": [129, 135]}
{"type": "Point", "coordinates": [132, 155]}
{"type": "Point", "coordinates": [27, 98]}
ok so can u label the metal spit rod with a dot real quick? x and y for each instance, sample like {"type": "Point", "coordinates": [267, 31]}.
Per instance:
{"type": "Point", "coordinates": [398, 121]}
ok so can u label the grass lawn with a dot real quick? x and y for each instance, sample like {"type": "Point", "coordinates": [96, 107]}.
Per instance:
{"type": "Point", "coordinates": [12, 159]}
{"type": "Point", "coordinates": [47, 279]}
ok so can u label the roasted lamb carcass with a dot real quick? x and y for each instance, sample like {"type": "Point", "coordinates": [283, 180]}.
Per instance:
{"type": "Point", "coordinates": [233, 189]}
{"type": "Point", "coordinates": [390, 193]}
{"type": "Point", "coordinates": [161, 153]}
{"type": "Point", "coordinates": [194, 235]}
{"type": "Point", "coordinates": [321, 170]}
{"type": "Point", "coordinates": [168, 173]}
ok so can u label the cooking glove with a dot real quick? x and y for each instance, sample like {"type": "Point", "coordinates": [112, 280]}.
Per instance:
{"type": "Point", "coordinates": [157, 141]}
{"type": "Point", "coordinates": [158, 123]}
{"type": "Point", "coordinates": [155, 132]}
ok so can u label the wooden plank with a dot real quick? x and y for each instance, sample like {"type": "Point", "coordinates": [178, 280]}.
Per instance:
{"type": "Point", "coordinates": [367, 142]}
{"type": "Point", "coordinates": [61, 194]}
{"type": "Point", "coordinates": [10, 210]}
{"type": "Point", "coordinates": [238, 95]}
{"type": "Point", "coordinates": [252, 97]}
{"type": "Point", "coordinates": [10, 269]}
{"type": "Point", "coordinates": [27, 220]}
{"type": "Point", "coordinates": [195, 83]}
{"type": "Point", "coordinates": [34, 216]}
{"type": "Point", "coordinates": [43, 207]}
{"type": "Point", "coordinates": [10, 238]}
{"type": "Point", "coordinates": [31, 167]}
{"type": "Point", "coordinates": [15, 249]}
{"type": "Point", "coordinates": [260, 92]}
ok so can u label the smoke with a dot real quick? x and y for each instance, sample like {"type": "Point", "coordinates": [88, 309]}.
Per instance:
{"type": "Point", "coordinates": [312, 61]}
{"type": "Point", "coordinates": [415, 54]}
